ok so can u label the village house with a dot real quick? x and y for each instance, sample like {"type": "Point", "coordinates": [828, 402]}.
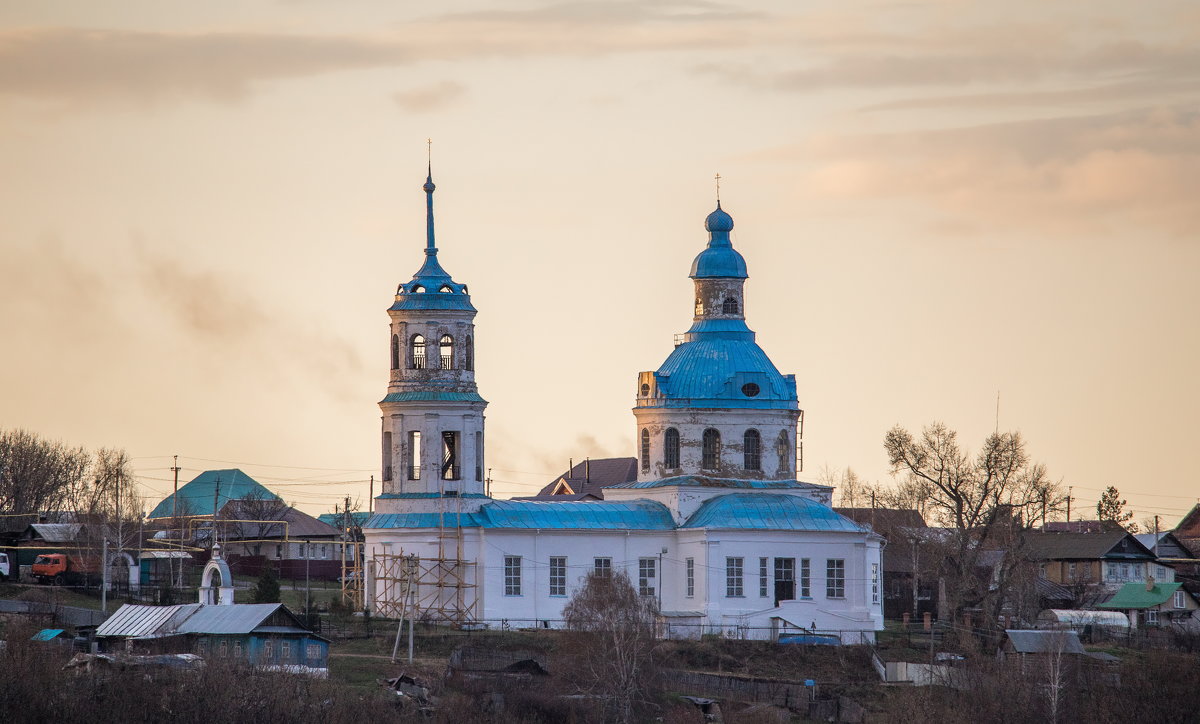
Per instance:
{"type": "Point", "coordinates": [1093, 564]}
{"type": "Point", "coordinates": [1156, 604]}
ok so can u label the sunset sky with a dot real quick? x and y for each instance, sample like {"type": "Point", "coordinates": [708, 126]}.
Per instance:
{"type": "Point", "coordinates": [206, 209]}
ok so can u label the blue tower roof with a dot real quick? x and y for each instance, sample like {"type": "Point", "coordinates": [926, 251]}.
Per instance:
{"type": "Point", "coordinates": [720, 260]}
{"type": "Point", "coordinates": [431, 287]}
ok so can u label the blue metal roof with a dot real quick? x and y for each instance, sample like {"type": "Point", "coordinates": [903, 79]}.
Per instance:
{"type": "Point", "coordinates": [357, 518]}
{"type": "Point", "coordinates": [47, 634]}
{"type": "Point", "coordinates": [433, 396]}
{"type": "Point", "coordinates": [417, 496]}
{"type": "Point", "coordinates": [431, 287]}
{"type": "Point", "coordinates": [707, 372]}
{"type": "Point", "coordinates": [703, 481]}
{"type": "Point", "coordinates": [769, 512]}
{"type": "Point", "coordinates": [196, 497]}
{"type": "Point", "coordinates": [719, 259]}
{"type": "Point", "coordinates": [528, 514]}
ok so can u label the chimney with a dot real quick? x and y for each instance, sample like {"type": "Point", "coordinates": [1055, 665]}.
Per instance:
{"type": "Point", "coordinates": [1149, 583]}
{"type": "Point", "coordinates": [587, 470]}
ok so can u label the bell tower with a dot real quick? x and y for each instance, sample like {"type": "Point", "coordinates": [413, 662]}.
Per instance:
{"type": "Point", "coordinates": [432, 414]}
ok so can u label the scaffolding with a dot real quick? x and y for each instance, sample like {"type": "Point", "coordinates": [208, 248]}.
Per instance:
{"type": "Point", "coordinates": [439, 589]}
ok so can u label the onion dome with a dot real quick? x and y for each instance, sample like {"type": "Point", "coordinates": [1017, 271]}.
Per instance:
{"type": "Point", "coordinates": [720, 260]}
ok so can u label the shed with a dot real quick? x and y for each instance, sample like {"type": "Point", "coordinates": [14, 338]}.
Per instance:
{"type": "Point", "coordinates": [1079, 618]}
{"type": "Point", "coordinates": [1027, 642]}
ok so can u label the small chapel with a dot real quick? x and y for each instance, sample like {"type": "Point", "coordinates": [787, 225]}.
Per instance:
{"type": "Point", "coordinates": [716, 527]}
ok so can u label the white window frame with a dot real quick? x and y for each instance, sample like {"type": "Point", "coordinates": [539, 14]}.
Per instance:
{"type": "Point", "coordinates": [512, 575]}
{"type": "Point", "coordinates": [558, 576]}
{"type": "Point", "coordinates": [763, 578]}
{"type": "Point", "coordinates": [647, 573]}
{"type": "Point", "coordinates": [602, 566]}
{"type": "Point", "coordinates": [1179, 602]}
{"type": "Point", "coordinates": [875, 583]}
{"type": "Point", "coordinates": [804, 579]}
{"type": "Point", "coordinates": [735, 570]}
{"type": "Point", "coordinates": [689, 565]}
{"type": "Point", "coordinates": [1152, 615]}
{"type": "Point", "coordinates": [835, 578]}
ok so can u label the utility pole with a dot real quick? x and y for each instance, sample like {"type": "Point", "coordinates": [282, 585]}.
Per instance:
{"type": "Point", "coordinates": [371, 500]}
{"type": "Point", "coordinates": [104, 576]}
{"type": "Point", "coordinates": [175, 520]}
{"type": "Point", "coordinates": [307, 597]}
{"type": "Point", "coordinates": [1069, 489]}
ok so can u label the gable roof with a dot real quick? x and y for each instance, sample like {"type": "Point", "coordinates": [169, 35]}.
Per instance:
{"type": "Point", "coordinates": [300, 525]}
{"type": "Point", "coordinates": [1135, 595]}
{"type": "Point", "coordinates": [589, 476]}
{"type": "Point", "coordinates": [196, 497]}
{"type": "Point", "coordinates": [1189, 527]}
{"type": "Point", "coordinates": [884, 519]}
{"type": "Point", "coordinates": [1117, 544]}
{"type": "Point", "coordinates": [54, 532]}
{"type": "Point", "coordinates": [1044, 642]}
{"type": "Point", "coordinates": [139, 621]}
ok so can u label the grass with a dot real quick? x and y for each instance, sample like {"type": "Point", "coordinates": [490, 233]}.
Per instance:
{"type": "Point", "coordinates": [58, 595]}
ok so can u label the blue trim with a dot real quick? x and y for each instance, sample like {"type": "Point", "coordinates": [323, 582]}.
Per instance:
{"type": "Point", "coordinates": [702, 481]}
{"type": "Point", "coordinates": [433, 396]}
{"type": "Point", "coordinates": [424, 496]}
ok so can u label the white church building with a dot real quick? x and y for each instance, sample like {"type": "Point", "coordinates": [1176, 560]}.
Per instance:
{"type": "Point", "coordinates": [716, 527]}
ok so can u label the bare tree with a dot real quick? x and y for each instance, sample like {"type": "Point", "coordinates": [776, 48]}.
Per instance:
{"type": "Point", "coordinates": [256, 516]}
{"type": "Point", "coordinates": [38, 475]}
{"type": "Point", "coordinates": [615, 638]}
{"type": "Point", "coordinates": [982, 500]}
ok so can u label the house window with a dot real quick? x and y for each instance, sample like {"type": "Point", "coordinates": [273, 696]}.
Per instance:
{"type": "Point", "coordinates": [711, 449]}
{"type": "Point", "coordinates": [269, 650]}
{"type": "Point", "coordinates": [874, 583]}
{"type": "Point", "coordinates": [733, 577]}
{"type": "Point", "coordinates": [279, 551]}
{"type": "Point", "coordinates": [395, 352]}
{"type": "Point", "coordinates": [469, 354]}
{"type": "Point", "coordinates": [602, 567]}
{"type": "Point", "coordinates": [751, 450]}
{"type": "Point", "coordinates": [1152, 616]}
{"type": "Point", "coordinates": [416, 356]}
{"type": "Point", "coordinates": [224, 649]}
{"type": "Point", "coordinates": [285, 651]}
{"type": "Point", "coordinates": [447, 349]}
{"type": "Point", "coordinates": [645, 450]}
{"type": "Point", "coordinates": [313, 654]}
{"type": "Point", "coordinates": [450, 464]}
{"type": "Point", "coordinates": [302, 551]}
{"type": "Point", "coordinates": [1071, 572]}
{"type": "Point", "coordinates": [1179, 599]}
{"type": "Point", "coordinates": [646, 576]}
{"type": "Point", "coordinates": [237, 649]}
{"type": "Point", "coordinates": [671, 449]}
{"type": "Point", "coordinates": [835, 578]}
{"type": "Point", "coordinates": [729, 306]}
{"type": "Point", "coordinates": [783, 447]}
{"type": "Point", "coordinates": [324, 551]}
{"type": "Point", "coordinates": [762, 577]}
{"type": "Point", "coordinates": [414, 455]}
{"type": "Point", "coordinates": [512, 575]}
{"type": "Point", "coordinates": [805, 577]}
{"type": "Point", "coordinates": [558, 575]}
{"type": "Point", "coordinates": [689, 565]}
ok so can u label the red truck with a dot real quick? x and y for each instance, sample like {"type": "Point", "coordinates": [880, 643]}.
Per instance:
{"type": "Point", "coordinates": [60, 569]}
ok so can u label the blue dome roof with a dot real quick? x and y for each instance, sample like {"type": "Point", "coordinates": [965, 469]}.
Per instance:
{"type": "Point", "coordinates": [713, 370]}
{"type": "Point", "coordinates": [720, 259]}
{"type": "Point", "coordinates": [770, 512]}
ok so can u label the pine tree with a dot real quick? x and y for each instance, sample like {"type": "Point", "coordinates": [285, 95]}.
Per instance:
{"type": "Point", "coordinates": [1112, 507]}
{"type": "Point", "coordinates": [267, 590]}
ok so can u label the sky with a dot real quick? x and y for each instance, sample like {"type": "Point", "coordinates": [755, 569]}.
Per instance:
{"type": "Point", "coordinates": [978, 213]}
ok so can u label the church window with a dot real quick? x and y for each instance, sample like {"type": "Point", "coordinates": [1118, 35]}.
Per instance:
{"type": "Point", "coordinates": [751, 450]}
{"type": "Point", "coordinates": [762, 578]}
{"type": "Point", "coordinates": [512, 575]}
{"type": "Point", "coordinates": [729, 306]}
{"type": "Point", "coordinates": [805, 578]}
{"type": "Point", "coordinates": [417, 289]}
{"type": "Point", "coordinates": [875, 583]}
{"type": "Point", "coordinates": [387, 456]}
{"type": "Point", "coordinates": [699, 306]}
{"type": "Point", "coordinates": [416, 360]}
{"type": "Point", "coordinates": [645, 450]}
{"type": "Point", "coordinates": [690, 566]}
{"type": "Point", "coordinates": [558, 575]}
{"type": "Point", "coordinates": [469, 354]}
{"type": "Point", "coordinates": [395, 351]}
{"type": "Point", "coordinates": [750, 389]}
{"type": "Point", "coordinates": [447, 348]}
{"type": "Point", "coordinates": [733, 577]}
{"type": "Point", "coordinates": [450, 463]}
{"type": "Point", "coordinates": [414, 455]}
{"type": "Point", "coordinates": [646, 576]}
{"type": "Point", "coordinates": [710, 457]}
{"type": "Point", "coordinates": [835, 578]}
{"type": "Point", "coordinates": [479, 456]}
{"type": "Point", "coordinates": [602, 568]}
{"type": "Point", "coordinates": [645, 390]}
{"type": "Point", "coordinates": [783, 447]}
{"type": "Point", "coordinates": [446, 289]}
{"type": "Point", "coordinates": [671, 449]}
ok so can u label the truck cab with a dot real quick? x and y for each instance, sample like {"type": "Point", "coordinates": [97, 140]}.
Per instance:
{"type": "Point", "coordinates": [50, 568]}
{"type": "Point", "coordinates": [5, 571]}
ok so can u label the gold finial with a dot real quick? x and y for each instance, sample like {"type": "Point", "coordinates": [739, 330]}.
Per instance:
{"type": "Point", "coordinates": [718, 180]}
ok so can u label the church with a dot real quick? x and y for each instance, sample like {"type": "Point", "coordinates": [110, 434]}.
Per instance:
{"type": "Point", "coordinates": [716, 526]}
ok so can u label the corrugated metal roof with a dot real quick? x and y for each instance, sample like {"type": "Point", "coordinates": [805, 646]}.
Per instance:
{"type": "Point", "coordinates": [57, 532]}
{"type": "Point", "coordinates": [703, 481]}
{"type": "Point", "coordinates": [598, 515]}
{"type": "Point", "coordinates": [1045, 642]}
{"type": "Point", "coordinates": [769, 512]}
{"type": "Point", "coordinates": [47, 634]}
{"type": "Point", "coordinates": [1135, 595]}
{"type": "Point", "coordinates": [196, 497]}
{"type": "Point", "coordinates": [357, 518]}
{"type": "Point", "coordinates": [421, 520]}
{"type": "Point", "coordinates": [1115, 543]}
{"type": "Point", "coordinates": [708, 372]}
{"type": "Point", "coordinates": [239, 618]}
{"type": "Point", "coordinates": [136, 620]}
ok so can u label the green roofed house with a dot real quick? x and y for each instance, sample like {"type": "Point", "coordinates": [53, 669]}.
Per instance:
{"type": "Point", "coordinates": [1156, 604]}
{"type": "Point", "coordinates": [211, 487]}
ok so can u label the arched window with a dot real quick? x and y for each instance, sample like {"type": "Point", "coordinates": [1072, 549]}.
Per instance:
{"type": "Point", "coordinates": [395, 352]}
{"type": "Point", "coordinates": [416, 359]}
{"type": "Point", "coordinates": [447, 348]}
{"type": "Point", "coordinates": [729, 306]}
{"type": "Point", "coordinates": [671, 449]}
{"type": "Point", "coordinates": [645, 390]}
{"type": "Point", "coordinates": [784, 448]}
{"type": "Point", "coordinates": [699, 306]}
{"type": "Point", "coordinates": [469, 354]}
{"type": "Point", "coordinates": [645, 450]}
{"type": "Point", "coordinates": [710, 457]}
{"type": "Point", "coordinates": [752, 450]}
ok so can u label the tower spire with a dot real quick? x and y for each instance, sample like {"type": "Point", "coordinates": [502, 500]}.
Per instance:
{"type": "Point", "coordinates": [430, 248]}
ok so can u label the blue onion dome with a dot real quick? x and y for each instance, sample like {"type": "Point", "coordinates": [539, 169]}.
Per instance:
{"type": "Point", "coordinates": [718, 220]}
